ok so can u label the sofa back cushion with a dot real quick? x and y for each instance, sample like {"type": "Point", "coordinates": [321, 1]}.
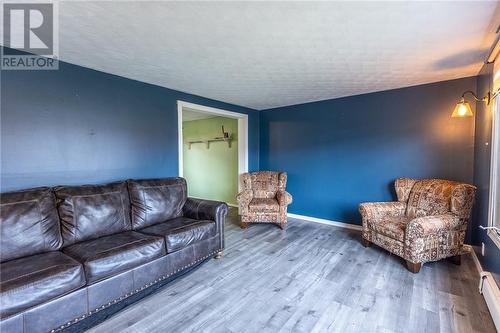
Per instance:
{"type": "Point", "coordinates": [29, 223]}
{"type": "Point", "coordinates": [92, 211]}
{"type": "Point", "coordinates": [430, 197]}
{"type": "Point", "coordinates": [156, 200]}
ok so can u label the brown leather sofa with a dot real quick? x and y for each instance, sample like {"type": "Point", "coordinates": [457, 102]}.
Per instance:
{"type": "Point", "coordinates": [70, 253]}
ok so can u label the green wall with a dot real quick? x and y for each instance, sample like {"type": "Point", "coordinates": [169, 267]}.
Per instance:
{"type": "Point", "coordinates": [211, 173]}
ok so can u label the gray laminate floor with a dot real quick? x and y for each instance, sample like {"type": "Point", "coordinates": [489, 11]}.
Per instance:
{"type": "Point", "coordinates": [310, 278]}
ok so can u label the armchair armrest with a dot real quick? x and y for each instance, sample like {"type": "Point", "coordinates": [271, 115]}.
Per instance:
{"type": "Point", "coordinates": [377, 210]}
{"type": "Point", "coordinates": [462, 199]}
{"type": "Point", "coordinates": [284, 198]}
{"type": "Point", "coordinates": [430, 225]}
{"type": "Point", "coordinates": [207, 210]}
{"type": "Point", "coordinates": [244, 198]}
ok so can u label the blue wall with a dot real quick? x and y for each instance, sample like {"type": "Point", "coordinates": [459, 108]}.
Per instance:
{"type": "Point", "coordinates": [77, 125]}
{"type": "Point", "coordinates": [344, 151]}
{"type": "Point", "coordinates": [482, 159]}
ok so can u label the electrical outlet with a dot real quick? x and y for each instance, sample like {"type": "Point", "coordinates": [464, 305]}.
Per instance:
{"type": "Point", "coordinates": [482, 249]}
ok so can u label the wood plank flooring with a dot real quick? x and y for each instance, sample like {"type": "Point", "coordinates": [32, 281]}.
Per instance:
{"type": "Point", "coordinates": [310, 278]}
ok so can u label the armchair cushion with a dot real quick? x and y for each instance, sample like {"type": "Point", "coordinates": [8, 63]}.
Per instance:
{"type": "Point", "coordinates": [265, 205]}
{"type": "Point", "coordinates": [378, 210]}
{"type": "Point", "coordinates": [264, 184]}
{"type": "Point", "coordinates": [403, 188]}
{"type": "Point", "coordinates": [391, 226]}
{"type": "Point", "coordinates": [430, 197]}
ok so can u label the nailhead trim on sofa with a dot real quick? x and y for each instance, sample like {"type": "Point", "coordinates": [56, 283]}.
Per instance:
{"type": "Point", "coordinates": [147, 285]}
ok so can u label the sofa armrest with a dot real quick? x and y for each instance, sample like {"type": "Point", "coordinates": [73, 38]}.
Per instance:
{"type": "Point", "coordinates": [207, 210]}
{"type": "Point", "coordinates": [430, 225]}
{"type": "Point", "coordinates": [284, 198]}
{"type": "Point", "coordinates": [377, 210]}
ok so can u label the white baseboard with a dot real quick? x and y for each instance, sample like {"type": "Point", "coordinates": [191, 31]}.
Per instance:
{"type": "Point", "coordinates": [324, 221]}
{"type": "Point", "coordinates": [489, 288]}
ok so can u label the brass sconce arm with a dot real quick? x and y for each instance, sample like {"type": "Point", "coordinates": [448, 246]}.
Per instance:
{"type": "Point", "coordinates": [487, 98]}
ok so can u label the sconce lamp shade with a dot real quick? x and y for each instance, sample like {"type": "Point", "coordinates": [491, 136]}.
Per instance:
{"type": "Point", "coordinates": [462, 109]}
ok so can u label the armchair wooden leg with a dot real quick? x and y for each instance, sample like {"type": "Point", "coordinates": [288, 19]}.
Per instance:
{"type": "Point", "coordinates": [366, 242]}
{"type": "Point", "coordinates": [244, 225]}
{"type": "Point", "coordinates": [219, 255]}
{"type": "Point", "coordinates": [457, 260]}
{"type": "Point", "coordinates": [413, 267]}
{"type": "Point", "coordinates": [282, 226]}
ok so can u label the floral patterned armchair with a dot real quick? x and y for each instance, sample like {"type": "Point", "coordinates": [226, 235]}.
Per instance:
{"type": "Point", "coordinates": [427, 223]}
{"type": "Point", "coordinates": [264, 199]}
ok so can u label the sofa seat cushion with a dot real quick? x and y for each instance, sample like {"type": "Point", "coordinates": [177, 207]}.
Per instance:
{"type": "Point", "coordinates": [264, 205]}
{"type": "Point", "coordinates": [393, 227]}
{"type": "Point", "coordinates": [182, 231]}
{"type": "Point", "coordinates": [113, 254]}
{"type": "Point", "coordinates": [30, 281]}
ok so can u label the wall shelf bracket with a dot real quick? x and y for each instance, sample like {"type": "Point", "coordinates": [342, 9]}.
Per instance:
{"type": "Point", "coordinates": [207, 142]}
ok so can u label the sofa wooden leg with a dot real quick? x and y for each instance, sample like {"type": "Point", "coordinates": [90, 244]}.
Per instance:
{"type": "Point", "coordinates": [244, 225]}
{"type": "Point", "coordinates": [413, 267]}
{"type": "Point", "coordinates": [282, 226]}
{"type": "Point", "coordinates": [219, 255]}
{"type": "Point", "coordinates": [457, 260]}
{"type": "Point", "coordinates": [366, 242]}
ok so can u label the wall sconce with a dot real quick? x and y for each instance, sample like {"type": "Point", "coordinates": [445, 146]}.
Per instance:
{"type": "Point", "coordinates": [463, 109]}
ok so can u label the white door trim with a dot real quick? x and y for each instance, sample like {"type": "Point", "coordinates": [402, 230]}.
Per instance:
{"type": "Point", "coordinates": [494, 196]}
{"type": "Point", "coordinates": [242, 133]}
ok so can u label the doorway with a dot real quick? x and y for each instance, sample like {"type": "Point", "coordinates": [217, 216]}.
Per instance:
{"type": "Point", "coordinates": [213, 151]}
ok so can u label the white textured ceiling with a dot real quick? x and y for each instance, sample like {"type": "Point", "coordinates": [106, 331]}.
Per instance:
{"type": "Point", "coordinates": [268, 54]}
